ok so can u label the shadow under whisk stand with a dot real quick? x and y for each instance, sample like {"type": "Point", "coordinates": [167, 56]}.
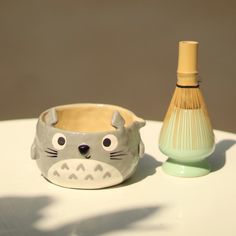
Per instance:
{"type": "Point", "coordinates": [217, 159]}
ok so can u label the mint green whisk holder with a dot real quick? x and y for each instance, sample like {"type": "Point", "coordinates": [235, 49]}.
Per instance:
{"type": "Point", "coordinates": [187, 144]}
{"type": "Point", "coordinates": [187, 137]}
{"type": "Point", "coordinates": [188, 169]}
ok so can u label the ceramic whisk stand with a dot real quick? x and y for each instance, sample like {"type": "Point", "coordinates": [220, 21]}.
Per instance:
{"type": "Point", "coordinates": [187, 136]}
{"type": "Point", "coordinates": [87, 146]}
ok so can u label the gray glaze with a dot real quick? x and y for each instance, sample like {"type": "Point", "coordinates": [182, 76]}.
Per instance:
{"type": "Point", "coordinates": [87, 160]}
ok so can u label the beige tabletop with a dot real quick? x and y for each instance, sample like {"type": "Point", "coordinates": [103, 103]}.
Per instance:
{"type": "Point", "coordinates": [149, 203]}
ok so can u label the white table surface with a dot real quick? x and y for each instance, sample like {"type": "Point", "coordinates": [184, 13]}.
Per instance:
{"type": "Point", "coordinates": [150, 203]}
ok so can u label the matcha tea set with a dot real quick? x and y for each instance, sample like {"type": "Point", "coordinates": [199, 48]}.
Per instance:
{"type": "Point", "coordinates": [92, 146]}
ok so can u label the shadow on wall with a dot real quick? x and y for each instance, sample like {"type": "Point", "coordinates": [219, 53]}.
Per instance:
{"type": "Point", "coordinates": [19, 216]}
{"type": "Point", "coordinates": [218, 157]}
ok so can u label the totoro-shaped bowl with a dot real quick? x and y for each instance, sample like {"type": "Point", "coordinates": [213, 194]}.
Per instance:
{"type": "Point", "coordinates": [87, 146]}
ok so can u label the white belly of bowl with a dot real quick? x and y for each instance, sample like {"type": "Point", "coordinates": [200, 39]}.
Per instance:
{"type": "Point", "coordinates": [84, 174]}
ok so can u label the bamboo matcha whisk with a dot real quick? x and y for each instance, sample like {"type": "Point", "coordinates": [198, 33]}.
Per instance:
{"type": "Point", "coordinates": [186, 136]}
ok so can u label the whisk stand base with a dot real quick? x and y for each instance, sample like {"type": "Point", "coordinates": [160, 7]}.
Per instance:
{"type": "Point", "coordinates": [187, 170]}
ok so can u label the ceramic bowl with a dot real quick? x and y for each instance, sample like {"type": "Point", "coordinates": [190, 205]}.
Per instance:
{"type": "Point", "coordinates": [87, 146]}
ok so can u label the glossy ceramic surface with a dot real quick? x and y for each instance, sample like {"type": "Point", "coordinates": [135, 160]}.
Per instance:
{"type": "Point", "coordinates": [87, 146]}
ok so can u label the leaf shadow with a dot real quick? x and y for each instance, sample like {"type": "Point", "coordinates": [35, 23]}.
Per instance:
{"type": "Point", "coordinates": [20, 215]}
{"type": "Point", "coordinates": [122, 220]}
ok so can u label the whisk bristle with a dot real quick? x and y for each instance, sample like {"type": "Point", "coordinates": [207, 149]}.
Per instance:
{"type": "Point", "coordinates": [187, 125]}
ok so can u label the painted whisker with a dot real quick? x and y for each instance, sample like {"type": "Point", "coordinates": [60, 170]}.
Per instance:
{"type": "Point", "coordinates": [52, 156]}
{"type": "Point", "coordinates": [115, 158]}
{"type": "Point", "coordinates": [53, 153]}
{"type": "Point", "coordinates": [117, 155]}
{"type": "Point", "coordinates": [116, 152]}
{"type": "Point", "coordinates": [52, 150]}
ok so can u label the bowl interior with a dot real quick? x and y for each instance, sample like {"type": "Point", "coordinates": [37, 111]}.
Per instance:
{"type": "Point", "coordinates": [90, 118]}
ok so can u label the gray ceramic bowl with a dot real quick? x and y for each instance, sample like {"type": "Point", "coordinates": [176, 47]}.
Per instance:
{"type": "Point", "coordinates": [87, 146]}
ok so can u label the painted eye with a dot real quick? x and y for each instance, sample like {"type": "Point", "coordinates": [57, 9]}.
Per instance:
{"type": "Point", "coordinates": [59, 141]}
{"type": "Point", "coordinates": [109, 142]}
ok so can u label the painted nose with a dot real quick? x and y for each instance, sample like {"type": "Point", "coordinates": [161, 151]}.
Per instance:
{"type": "Point", "coordinates": [83, 149]}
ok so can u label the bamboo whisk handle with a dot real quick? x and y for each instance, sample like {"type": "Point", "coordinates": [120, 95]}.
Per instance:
{"type": "Point", "coordinates": [187, 63]}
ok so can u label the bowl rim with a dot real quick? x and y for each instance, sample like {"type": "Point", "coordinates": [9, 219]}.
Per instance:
{"type": "Point", "coordinates": [136, 119]}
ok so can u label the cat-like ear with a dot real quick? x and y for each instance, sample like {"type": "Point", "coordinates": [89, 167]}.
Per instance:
{"type": "Point", "coordinates": [51, 117]}
{"type": "Point", "coordinates": [117, 120]}
{"type": "Point", "coordinates": [140, 122]}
